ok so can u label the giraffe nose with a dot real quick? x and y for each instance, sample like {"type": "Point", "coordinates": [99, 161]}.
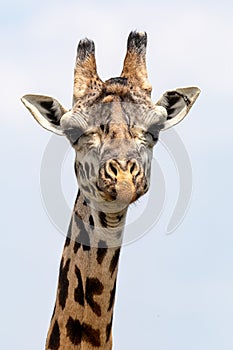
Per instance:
{"type": "Point", "coordinates": [122, 180]}
{"type": "Point", "coordinates": [115, 169]}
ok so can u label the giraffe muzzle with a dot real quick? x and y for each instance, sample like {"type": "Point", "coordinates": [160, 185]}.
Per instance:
{"type": "Point", "coordinates": [122, 181]}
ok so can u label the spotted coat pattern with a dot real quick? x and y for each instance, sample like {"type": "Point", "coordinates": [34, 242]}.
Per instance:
{"type": "Point", "coordinates": [84, 307]}
{"type": "Point", "coordinates": [112, 127]}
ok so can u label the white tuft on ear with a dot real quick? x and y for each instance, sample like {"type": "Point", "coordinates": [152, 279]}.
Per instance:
{"type": "Point", "coordinates": [46, 110]}
{"type": "Point", "coordinates": [177, 104]}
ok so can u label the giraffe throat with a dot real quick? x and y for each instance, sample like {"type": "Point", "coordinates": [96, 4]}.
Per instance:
{"type": "Point", "coordinates": [83, 312]}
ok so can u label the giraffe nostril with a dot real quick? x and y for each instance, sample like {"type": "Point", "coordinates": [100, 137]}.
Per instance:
{"type": "Point", "coordinates": [113, 169]}
{"type": "Point", "coordinates": [106, 174]}
{"type": "Point", "coordinates": [110, 170]}
{"type": "Point", "coordinates": [132, 168]}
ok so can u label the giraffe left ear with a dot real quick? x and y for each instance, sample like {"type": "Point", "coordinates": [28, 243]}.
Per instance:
{"type": "Point", "coordinates": [46, 110]}
{"type": "Point", "coordinates": [177, 104]}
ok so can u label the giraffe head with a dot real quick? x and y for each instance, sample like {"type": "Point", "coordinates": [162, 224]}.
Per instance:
{"type": "Point", "coordinates": [113, 125]}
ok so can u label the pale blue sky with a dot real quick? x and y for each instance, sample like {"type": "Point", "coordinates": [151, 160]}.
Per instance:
{"type": "Point", "coordinates": [175, 292]}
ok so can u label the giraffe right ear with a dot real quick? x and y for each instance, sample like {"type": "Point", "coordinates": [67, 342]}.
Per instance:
{"type": "Point", "coordinates": [177, 104]}
{"type": "Point", "coordinates": [46, 110]}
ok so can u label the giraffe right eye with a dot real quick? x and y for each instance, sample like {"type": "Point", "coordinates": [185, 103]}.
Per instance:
{"type": "Point", "coordinates": [153, 132]}
{"type": "Point", "coordinates": [91, 134]}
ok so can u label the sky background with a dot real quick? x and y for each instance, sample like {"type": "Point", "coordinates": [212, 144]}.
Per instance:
{"type": "Point", "coordinates": [175, 292]}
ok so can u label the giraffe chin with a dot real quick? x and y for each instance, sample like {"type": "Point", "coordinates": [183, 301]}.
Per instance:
{"type": "Point", "coordinates": [122, 193]}
{"type": "Point", "coordinates": [125, 192]}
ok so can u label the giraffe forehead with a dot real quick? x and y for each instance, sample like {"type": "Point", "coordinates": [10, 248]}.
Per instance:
{"type": "Point", "coordinates": [116, 101]}
{"type": "Point", "coordinates": [112, 111]}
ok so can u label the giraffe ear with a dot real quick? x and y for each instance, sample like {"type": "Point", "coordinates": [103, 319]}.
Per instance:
{"type": "Point", "coordinates": [177, 104]}
{"type": "Point", "coordinates": [46, 110]}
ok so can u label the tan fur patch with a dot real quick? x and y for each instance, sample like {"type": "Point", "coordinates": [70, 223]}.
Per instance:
{"type": "Point", "coordinates": [117, 89]}
{"type": "Point", "coordinates": [135, 70]}
{"type": "Point", "coordinates": [108, 99]}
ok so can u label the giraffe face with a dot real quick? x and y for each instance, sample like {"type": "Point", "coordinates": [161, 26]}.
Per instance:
{"type": "Point", "coordinates": [114, 150]}
{"type": "Point", "coordinates": [113, 125]}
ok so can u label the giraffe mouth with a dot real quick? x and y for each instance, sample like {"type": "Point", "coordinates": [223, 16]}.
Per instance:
{"type": "Point", "coordinates": [123, 191]}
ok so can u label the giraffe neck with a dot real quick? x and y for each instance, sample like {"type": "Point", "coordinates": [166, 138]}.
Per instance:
{"type": "Point", "coordinates": [83, 312]}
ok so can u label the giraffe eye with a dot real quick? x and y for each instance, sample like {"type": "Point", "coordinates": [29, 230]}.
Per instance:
{"type": "Point", "coordinates": [153, 132]}
{"type": "Point", "coordinates": [151, 137]}
{"type": "Point", "coordinates": [91, 134]}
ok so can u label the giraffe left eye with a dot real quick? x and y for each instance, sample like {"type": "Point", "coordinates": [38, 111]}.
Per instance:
{"type": "Point", "coordinates": [151, 138]}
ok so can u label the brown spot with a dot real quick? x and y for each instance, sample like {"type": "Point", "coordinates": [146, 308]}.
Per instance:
{"type": "Point", "coordinates": [74, 331]}
{"type": "Point", "coordinates": [103, 220]}
{"type": "Point", "coordinates": [53, 311]}
{"type": "Point", "coordinates": [67, 243]}
{"type": "Point", "coordinates": [54, 340]}
{"type": "Point", "coordinates": [83, 236]}
{"type": "Point", "coordinates": [91, 221]}
{"type": "Point", "coordinates": [108, 330]}
{"type": "Point", "coordinates": [78, 332]}
{"type": "Point", "coordinates": [114, 261]}
{"type": "Point", "coordinates": [112, 297]}
{"type": "Point", "coordinates": [63, 284]}
{"type": "Point", "coordinates": [93, 287]}
{"type": "Point", "coordinates": [79, 292]}
{"type": "Point", "coordinates": [77, 245]}
{"type": "Point", "coordinates": [101, 251]}
{"type": "Point", "coordinates": [91, 335]}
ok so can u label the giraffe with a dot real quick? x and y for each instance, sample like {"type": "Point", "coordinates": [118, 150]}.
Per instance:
{"type": "Point", "coordinates": [112, 127]}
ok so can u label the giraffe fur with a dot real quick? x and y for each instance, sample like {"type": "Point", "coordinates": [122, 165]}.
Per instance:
{"type": "Point", "coordinates": [112, 127]}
